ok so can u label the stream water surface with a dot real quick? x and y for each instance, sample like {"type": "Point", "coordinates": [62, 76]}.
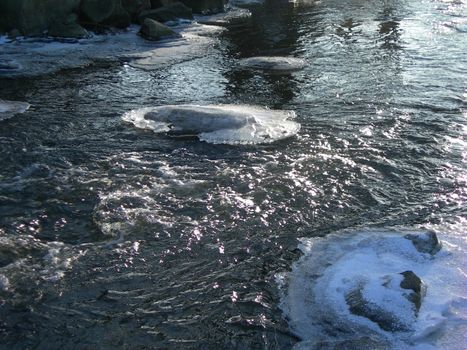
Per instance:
{"type": "Point", "coordinates": [116, 237]}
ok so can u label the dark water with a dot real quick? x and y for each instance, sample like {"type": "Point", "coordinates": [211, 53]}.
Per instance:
{"type": "Point", "coordinates": [116, 238]}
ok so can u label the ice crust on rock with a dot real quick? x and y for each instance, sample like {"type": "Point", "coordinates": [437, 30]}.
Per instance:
{"type": "Point", "coordinates": [228, 124]}
{"type": "Point", "coordinates": [353, 285]}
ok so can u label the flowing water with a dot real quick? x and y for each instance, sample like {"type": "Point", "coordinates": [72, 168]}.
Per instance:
{"type": "Point", "coordinates": [116, 237]}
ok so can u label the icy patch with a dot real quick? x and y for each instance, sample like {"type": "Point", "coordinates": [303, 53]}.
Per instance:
{"type": "Point", "coordinates": [10, 108]}
{"type": "Point", "coordinates": [36, 56]}
{"type": "Point", "coordinates": [275, 64]}
{"type": "Point", "coordinates": [229, 124]}
{"type": "Point", "coordinates": [194, 43]}
{"type": "Point", "coordinates": [4, 283]}
{"type": "Point", "coordinates": [347, 289]}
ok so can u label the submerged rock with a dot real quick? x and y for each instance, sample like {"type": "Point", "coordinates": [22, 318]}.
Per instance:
{"type": "Point", "coordinates": [273, 63]}
{"type": "Point", "coordinates": [167, 13]}
{"type": "Point", "coordinates": [426, 242]}
{"type": "Point", "coordinates": [153, 30]}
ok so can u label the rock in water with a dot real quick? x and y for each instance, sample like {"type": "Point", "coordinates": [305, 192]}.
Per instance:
{"type": "Point", "coordinates": [153, 30]}
{"type": "Point", "coordinates": [10, 108]}
{"type": "Point", "coordinates": [427, 242]}
{"type": "Point", "coordinates": [275, 64]}
{"type": "Point", "coordinates": [230, 124]}
{"type": "Point", "coordinates": [413, 282]}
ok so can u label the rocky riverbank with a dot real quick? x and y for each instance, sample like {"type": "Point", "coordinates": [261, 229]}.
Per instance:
{"type": "Point", "coordinates": [78, 18]}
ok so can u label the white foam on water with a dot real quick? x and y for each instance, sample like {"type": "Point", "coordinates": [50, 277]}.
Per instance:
{"type": "Point", "coordinates": [273, 63]}
{"type": "Point", "coordinates": [10, 108]}
{"type": "Point", "coordinates": [315, 293]}
{"type": "Point", "coordinates": [227, 124]}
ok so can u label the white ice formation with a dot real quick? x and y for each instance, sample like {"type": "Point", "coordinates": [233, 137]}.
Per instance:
{"type": "Point", "coordinates": [347, 291]}
{"type": "Point", "coordinates": [227, 124]}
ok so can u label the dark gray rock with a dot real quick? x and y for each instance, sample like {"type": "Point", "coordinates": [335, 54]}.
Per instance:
{"type": "Point", "coordinates": [119, 18]}
{"type": "Point", "coordinates": [13, 34]}
{"type": "Point", "coordinates": [33, 17]}
{"type": "Point", "coordinates": [68, 28]}
{"type": "Point", "coordinates": [167, 13]}
{"type": "Point", "coordinates": [426, 242]}
{"type": "Point", "coordinates": [205, 6]}
{"type": "Point", "coordinates": [412, 282]}
{"type": "Point", "coordinates": [153, 30]}
{"type": "Point", "coordinates": [135, 7]}
{"type": "Point", "coordinates": [97, 11]}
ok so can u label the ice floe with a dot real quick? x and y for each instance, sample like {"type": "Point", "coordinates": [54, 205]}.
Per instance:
{"type": "Point", "coordinates": [37, 56]}
{"type": "Point", "coordinates": [378, 289]}
{"type": "Point", "coordinates": [229, 124]}
{"type": "Point", "coordinates": [9, 108]}
{"type": "Point", "coordinates": [273, 63]}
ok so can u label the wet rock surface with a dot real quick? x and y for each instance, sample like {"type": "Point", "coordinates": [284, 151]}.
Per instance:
{"type": "Point", "coordinates": [412, 282]}
{"type": "Point", "coordinates": [153, 30]}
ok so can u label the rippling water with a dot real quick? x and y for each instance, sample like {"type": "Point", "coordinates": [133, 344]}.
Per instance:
{"type": "Point", "coordinates": [116, 237]}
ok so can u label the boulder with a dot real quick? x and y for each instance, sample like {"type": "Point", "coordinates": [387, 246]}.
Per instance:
{"type": "Point", "coordinates": [426, 242]}
{"type": "Point", "coordinates": [33, 17]}
{"type": "Point", "coordinates": [205, 6]}
{"type": "Point", "coordinates": [119, 18]}
{"type": "Point", "coordinates": [153, 30]}
{"type": "Point", "coordinates": [413, 282]}
{"type": "Point", "coordinates": [167, 13]}
{"type": "Point", "coordinates": [135, 7]}
{"type": "Point", "coordinates": [68, 28]}
{"type": "Point", "coordinates": [97, 11]}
